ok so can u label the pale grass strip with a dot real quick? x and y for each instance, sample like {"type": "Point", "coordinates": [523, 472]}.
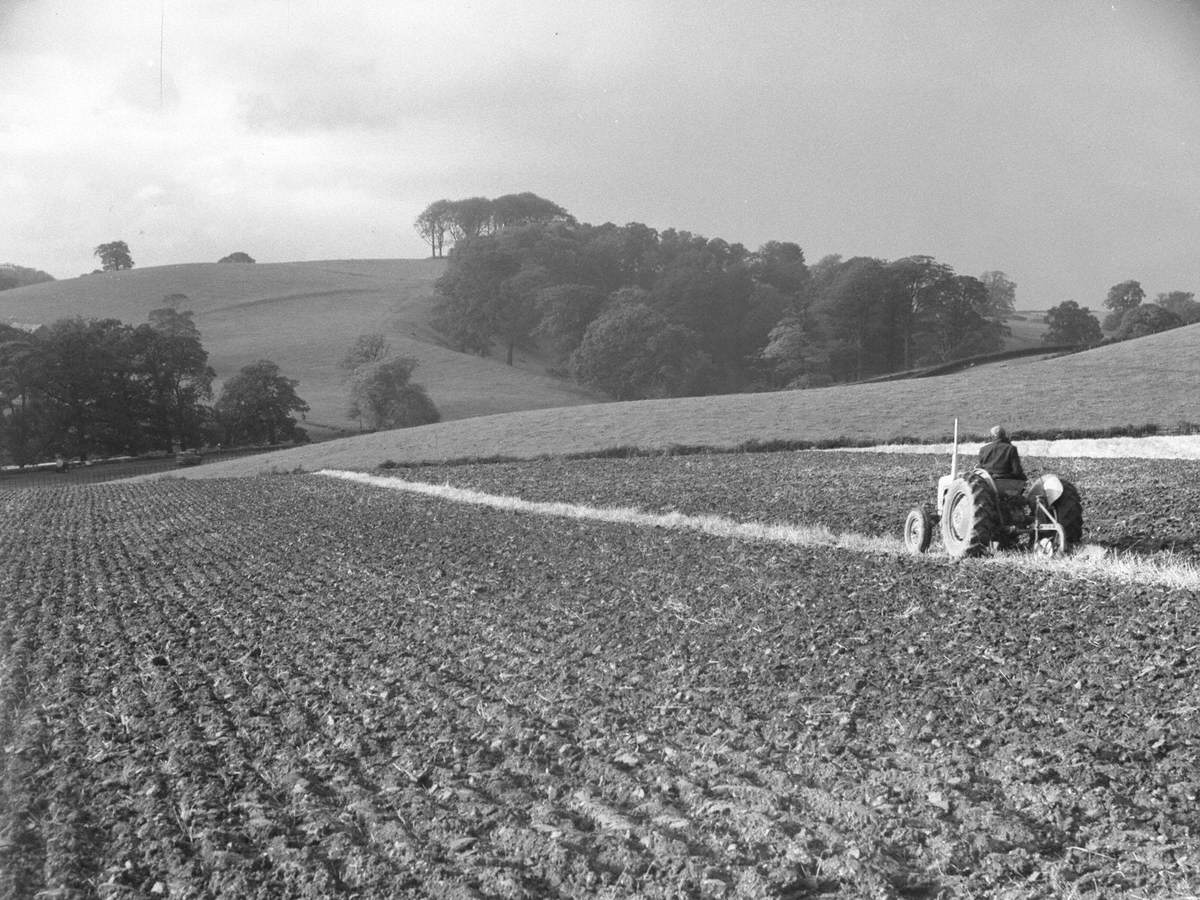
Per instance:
{"type": "Point", "coordinates": [1163, 446]}
{"type": "Point", "coordinates": [1090, 563]}
{"type": "Point", "coordinates": [795, 535]}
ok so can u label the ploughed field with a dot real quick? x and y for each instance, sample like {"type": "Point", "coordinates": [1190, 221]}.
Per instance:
{"type": "Point", "coordinates": [1144, 506]}
{"type": "Point", "coordinates": [300, 687]}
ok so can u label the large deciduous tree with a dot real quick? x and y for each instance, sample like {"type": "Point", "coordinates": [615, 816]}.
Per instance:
{"type": "Point", "coordinates": [566, 312]}
{"type": "Point", "coordinates": [632, 352]}
{"type": "Point", "coordinates": [1182, 303]}
{"type": "Point", "coordinates": [238, 256]}
{"type": "Point", "coordinates": [851, 297]}
{"type": "Point", "coordinates": [432, 225]}
{"type": "Point", "coordinates": [24, 436]}
{"type": "Point", "coordinates": [954, 325]}
{"type": "Point", "coordinates": [707, 291]}
{"type": "Point", "coordinates": [1121, 299]}
{"type": "Point", "coordinates": [469, 293]}
{"type": "Point", "coordinates": [1148, 318]}
{"type": "Point", "coordinates": [795, 354]}
{"type": "Point", "coordinates": [781, 265]}
{"type": "Point", "coordinates": [1001, 294]}
{"type": "Point", "coordinates": [914, 285]}
{"type": "Point", "coordinates": [1069, 323]}
{"type": "Point", "coordinates": [383, 395]}
{"type": "Point", "coordinates": [178, 377]}
{"type": "Point", "coordinates": [96, 387]}
{"type": "Point", "coordinates": [257, 405]}
{"type": "Point", "coordinates": [526, 209]}
{"type": "Point", "coordinates": [114, 256]}
{"type": "Point", "coordinates": [469, 218]}
{"type": "Point", "coordinates": [516, 314]}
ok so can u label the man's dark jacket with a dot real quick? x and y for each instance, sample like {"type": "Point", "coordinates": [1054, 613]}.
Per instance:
{"type": "Point", "coordinates": [1001, 459]}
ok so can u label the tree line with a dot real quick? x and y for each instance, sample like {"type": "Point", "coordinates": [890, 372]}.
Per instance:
{"type": "Point", "coordinates": [638, 313]}
{"type": "Point", "coordinates": [1129, 316]}
{"type": "Point", "coordinates": [92, 387]}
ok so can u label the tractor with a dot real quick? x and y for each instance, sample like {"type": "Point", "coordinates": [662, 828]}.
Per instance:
{"type": "Point", "coordinates": [980, 514]}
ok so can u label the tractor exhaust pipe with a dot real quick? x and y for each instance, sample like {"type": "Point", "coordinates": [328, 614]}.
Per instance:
{"type": "Point", "coordinates": [954, 452]}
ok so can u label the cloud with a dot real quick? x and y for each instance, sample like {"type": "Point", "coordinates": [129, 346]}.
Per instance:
{"type": "Point", "coordinates": [1027, 137]}
{"type": "Point", "coordinates": [11, 15]}
{"type": "Point", "coordinates": [145, 86]}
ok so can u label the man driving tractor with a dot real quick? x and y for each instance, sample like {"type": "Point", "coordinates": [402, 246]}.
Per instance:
{"type": "Point", "coordinates": [1001, 460]}
{"type": "Point", "coordinates": [991, 508]}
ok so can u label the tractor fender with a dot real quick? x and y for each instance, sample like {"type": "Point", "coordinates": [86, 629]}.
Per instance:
{"type": "Point", "coordinates": [1049, 487]}
{"type": "Point", "coordinates": [985, 476]}
{"type": "Point", "coordinates": [947, 481]}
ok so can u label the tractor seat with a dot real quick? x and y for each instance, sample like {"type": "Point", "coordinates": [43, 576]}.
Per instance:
{"type": "Point", "coordinates": [1010, 487]}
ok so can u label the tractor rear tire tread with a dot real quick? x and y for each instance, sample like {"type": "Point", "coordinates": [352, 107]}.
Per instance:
{"type": "Point", "coordinates": [1069, 511]}
{"type": "Point", "coordinates": [975, 539]}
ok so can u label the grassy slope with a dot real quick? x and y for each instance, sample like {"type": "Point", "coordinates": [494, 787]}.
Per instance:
{"type": "Point", "coordinates": [304, 316]}
{"type": "Point", "coordinates": [1027, 329]}
{"type": "Point", "coordinates": [1151, 380]}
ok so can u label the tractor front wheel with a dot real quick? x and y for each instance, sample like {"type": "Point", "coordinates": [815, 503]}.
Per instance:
{"type": "Point", "coordinates": [970, 518]}
{"type": "Point", "coordinates": [918, 529]}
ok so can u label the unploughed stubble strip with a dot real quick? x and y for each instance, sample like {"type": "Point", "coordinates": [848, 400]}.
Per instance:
{"type": "Point", "coordinates": [1090, 561]}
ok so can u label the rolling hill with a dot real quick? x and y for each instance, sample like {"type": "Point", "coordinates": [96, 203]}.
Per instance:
{"type": "Point", "coordinates": [305, 316]}
{"type": "Point", "coordinates": [1151, 380]}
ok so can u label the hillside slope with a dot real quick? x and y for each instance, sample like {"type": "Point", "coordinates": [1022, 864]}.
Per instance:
{"type": "Point", "coordinates": [1026, 328]}
{"type": "Point", "coordinates": [1152, 380]}
{"type": "Point", "coordinates": [305, 316]}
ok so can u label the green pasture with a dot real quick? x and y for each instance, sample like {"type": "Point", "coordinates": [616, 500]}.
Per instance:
{"type": "Point", "coordinates": [1151, 380]}
{"type": "Point", "coordinates": [305, 316]}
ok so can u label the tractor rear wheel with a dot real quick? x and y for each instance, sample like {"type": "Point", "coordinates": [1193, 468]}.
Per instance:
{"type": "Point", "coordinates": [970, 518]}
{"type": "Point", "coordinates": [1068, 509]}
{"type": "Point", "coordinates": [918, 529]}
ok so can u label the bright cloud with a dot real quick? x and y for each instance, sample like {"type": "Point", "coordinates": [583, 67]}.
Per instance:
{"type": "Point", "coordinates": [1058, 142]}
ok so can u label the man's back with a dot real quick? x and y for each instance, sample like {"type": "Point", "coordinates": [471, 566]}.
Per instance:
{"type": "Point", "coordinates": [1001, 459]}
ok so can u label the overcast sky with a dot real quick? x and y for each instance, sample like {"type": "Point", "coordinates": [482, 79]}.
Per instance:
{"type": "Point", "coordinates": [1056, 140]}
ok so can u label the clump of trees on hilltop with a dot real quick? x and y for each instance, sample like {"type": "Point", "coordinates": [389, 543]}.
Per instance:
{"type": "Point", "coordinates": [88, 387]}
{"type": "Point", "coordinates": [639, 313]}
{"type": "Point", "coordinates": [13, 276]}
{"type": "Point", "coordinates": [475, 216]}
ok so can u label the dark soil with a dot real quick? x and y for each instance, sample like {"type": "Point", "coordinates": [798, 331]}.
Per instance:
{"type": "Point", "coordinates": [1137, 505]}
{"type": "Point", "coordinates": [298, 687]}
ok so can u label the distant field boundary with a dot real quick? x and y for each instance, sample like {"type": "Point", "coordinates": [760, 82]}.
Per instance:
{"type": "Point", "coordinates": [1131, 442]}
{"type": "Point", "coordinates": [967, 362]}
{"type": "Point", "coordinates": [1151, 447]}
{"type": "Point", "coordinates": [1091, 562]}
{"type": "Point", "coordinates": [100, 471]}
